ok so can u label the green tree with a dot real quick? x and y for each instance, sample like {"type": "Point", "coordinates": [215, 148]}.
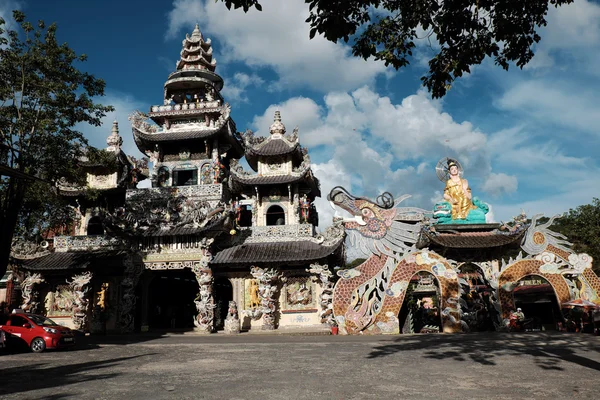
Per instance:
{"type": "Point", "coordinates": [581, 226]}
{"type": "Point", "coordinates": [43, 96]}
{"type": "Point", "coordinates": [467, 31]}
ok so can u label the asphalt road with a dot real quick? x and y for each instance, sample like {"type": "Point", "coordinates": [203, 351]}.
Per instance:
{"type": "Point", "coordinates": [472, 366]}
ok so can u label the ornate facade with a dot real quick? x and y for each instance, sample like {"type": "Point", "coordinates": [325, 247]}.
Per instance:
{"type": "Point", "coordinates": [206, 240]}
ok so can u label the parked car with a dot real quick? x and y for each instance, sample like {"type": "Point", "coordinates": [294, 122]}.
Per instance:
{"type": "Point", "coordinates": [37, 332]}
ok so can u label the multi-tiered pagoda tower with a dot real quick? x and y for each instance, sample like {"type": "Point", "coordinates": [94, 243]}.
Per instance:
{"type": "Point", "coordinates": [207, 238]}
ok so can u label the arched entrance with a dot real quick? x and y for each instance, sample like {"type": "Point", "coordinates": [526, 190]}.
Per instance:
{"type": "Point", "coordinates": [511, 275]}
{"type": "Point", "coordinates": [223, 292]}
{"type": "Point", "coordinates": [535, 296]}
{"type": "Point", "coordinates": [367, 299]}
{"type": "Point", "coordinates": [420, 312]}
{"type": "Point", "coordinates": [171, 295]}
{"type": "Point", "coordinates": [478, 299]}
{"type": "Point", "coordinates": [275, 216]}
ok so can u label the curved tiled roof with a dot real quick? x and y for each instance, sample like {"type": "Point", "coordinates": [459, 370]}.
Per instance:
{"type": "Point", "coordinates": [277, 252]}
{"type": "Point", "coordinates": [471, 239]}
{"type": "Point", "coordinates": [273, 147]}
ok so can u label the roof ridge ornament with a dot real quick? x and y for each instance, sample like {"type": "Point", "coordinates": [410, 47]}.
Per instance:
{"type": "Point", "coordinates": [277, 127]}
{"type": "Point", "coordinates": [114, 141]}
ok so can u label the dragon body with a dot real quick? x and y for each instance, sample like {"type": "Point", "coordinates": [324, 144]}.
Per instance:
{"type": "Point", "coordinates": [367, 298]}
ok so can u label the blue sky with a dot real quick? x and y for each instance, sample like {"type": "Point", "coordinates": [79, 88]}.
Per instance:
{"type": "Point", "coordinates": [528, 139]}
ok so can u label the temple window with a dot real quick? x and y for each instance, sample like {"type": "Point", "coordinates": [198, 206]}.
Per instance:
{"type": "Point", "coordinates": [95, 226]}
{"type": "Point", "coordinates": [186, 177]}
{"type": "Point", "coordinates": [275, 216]}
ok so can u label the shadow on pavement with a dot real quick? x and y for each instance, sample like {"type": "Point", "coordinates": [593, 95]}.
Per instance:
{"type": "Point", "coordinates": [548, 350]}
{"type": "Point", "coordinates": [35, 377]}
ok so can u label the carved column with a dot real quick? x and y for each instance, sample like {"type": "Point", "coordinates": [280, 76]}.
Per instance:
{"type": "Point", "coordinates": [205, 302]}
{"type": "Point", "coordinates": [133, 270]}
{"type": "Point", "coordinates": [324, 275]}
{"type": "Point", "coordinates": [29, 292]}
{"type": "Point", "coordinates": [80, 288]}
{"type": "Point", "coordinates": [267, 289]}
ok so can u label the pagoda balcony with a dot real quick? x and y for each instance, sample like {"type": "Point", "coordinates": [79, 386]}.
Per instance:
{"type": "Point", "coordinates": [279, 232]}
{"type": "Point", "coordinates": [86, 243]}
{"type": "Point", "coordinates": [174, 109]}
{"type": "Point", "coordinates": [207, 191]}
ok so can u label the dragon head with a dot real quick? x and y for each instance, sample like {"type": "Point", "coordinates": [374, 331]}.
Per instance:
{"type": "Point", "coordinates": [377, 226]}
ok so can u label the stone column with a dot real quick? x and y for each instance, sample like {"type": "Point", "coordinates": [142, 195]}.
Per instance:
{"type": "Point", "coordinates": [324, 275]}
{"type": "Point", "coordinates": [29, 293]}
{"type": "Point", "coordinates": [80, 288]}
{"type": "Point", "coordinates": [267, 289]}
{"type": "Point", "coordinates": [205, 302]}
{"type": "Point", "coordinates": [133, 270]}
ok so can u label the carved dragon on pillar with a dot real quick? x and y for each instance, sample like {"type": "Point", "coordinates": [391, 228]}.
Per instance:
{"type": "Point", "coordinates": [205, 302]}
{"type": "Point", "coordinates": [324, 275]}
{"type": "Point", "coordinates": [267, 288]}
{"type": "Point", "coordinates": [79, 287]}
{"type": "Point", "coordinates": [29, 292]}
{"type": "Point", "coordinates": [133, 270]}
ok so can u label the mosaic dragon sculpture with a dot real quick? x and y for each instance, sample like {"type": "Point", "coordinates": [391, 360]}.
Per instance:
{"type": "Point", "coordinates": [367, 299]}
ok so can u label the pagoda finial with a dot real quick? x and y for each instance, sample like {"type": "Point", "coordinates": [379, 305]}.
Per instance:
{"type": "Point", "coordinates": [277, 127]}
{"type": "Point", "coordinates": [114, 141]}
{"type": "Point", "coordinates": [196, 34]}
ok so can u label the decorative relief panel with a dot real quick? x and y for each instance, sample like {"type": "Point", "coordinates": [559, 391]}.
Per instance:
{"type": "Point", "coordinates": [75, 243]}
{"type": "Point", "coordinates": [298, 294]}
{"type": "Point", "coordinates": [268, 233]}
{"type": "Point", "coordinates": [209, 190]}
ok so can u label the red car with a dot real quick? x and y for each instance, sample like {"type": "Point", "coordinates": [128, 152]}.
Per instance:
{"type": "Point", "coordinates": [38, 332]}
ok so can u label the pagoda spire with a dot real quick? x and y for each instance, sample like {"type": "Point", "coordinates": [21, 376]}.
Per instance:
{"type": "Point", "coordinates": [114, 141]}
{"type": "Point", "coordinates": [277, 127]}
{"type": "Point", "coordinates": [196, 53]}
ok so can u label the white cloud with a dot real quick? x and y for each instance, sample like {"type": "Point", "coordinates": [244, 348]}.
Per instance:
{"type": "Point", "coordinates": [559, 101]}
{"type": "Point", "coordinates": [498, 184]}
{"type": "Point", "coordinates": [124, 105]}
{"type": "Point", "coordinates": [235, 87]}
{"type": "Point", "coordinates": [277, 38]}
{"type": "Point", "coordinates": [379, 146]}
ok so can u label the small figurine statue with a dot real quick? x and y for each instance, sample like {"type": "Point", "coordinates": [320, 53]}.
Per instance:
{"type": "Point", "coordinates": [217, 169]}
{"type": "Point", "coordinates": [304, 208]}
{"type": "Point", "coordinates": [232, 321]}
{"type": "Point", "coordinates": [237, 210]}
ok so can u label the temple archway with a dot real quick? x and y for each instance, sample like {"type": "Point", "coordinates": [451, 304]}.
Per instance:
{"type": "Point", "coordinates": [223, 292]}
{"type": "Point", "coordinates": [479, 298]}
{"type": "Point", "coordinates": [171, 295]}
{"type": "Point", "coordinates": [95, 227]}
{"type": "Point", "coordinates": [537, 299]}
{"type": "Point", "coordinates": [275, 216]}
{"type": "Point", "coordinates": [420, 311]}
{"type": "Point", "coordinates": [369, 297]}
{"type": "Point", "coordinates": [512, 274]}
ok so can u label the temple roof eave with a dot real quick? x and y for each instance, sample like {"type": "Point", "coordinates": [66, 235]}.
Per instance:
{"type": "Point", "coordinates": [276, 252]}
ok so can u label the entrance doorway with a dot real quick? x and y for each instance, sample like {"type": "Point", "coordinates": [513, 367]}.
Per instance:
{"type": "Point", "coordinates": [420, 312]}
{"type": "Point", "coordinates": [535, 296]}
{"type": "Point", "coordinates": [171, 297]}
{"type": "Point", "coordinates": [223, 292]}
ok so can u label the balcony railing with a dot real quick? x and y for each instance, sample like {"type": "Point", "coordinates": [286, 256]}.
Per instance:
{"type": "Point", "coordinates": [85, 243]}
{"type": "Point", "coordinates": [208, 191]}
{"type": "Point", "coordinates": [280, 231]}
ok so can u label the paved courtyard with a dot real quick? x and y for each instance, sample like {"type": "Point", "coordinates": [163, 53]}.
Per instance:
{"type": "Point", "coordinates": [532, 365]}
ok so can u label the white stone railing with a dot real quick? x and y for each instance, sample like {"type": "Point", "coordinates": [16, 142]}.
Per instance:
{"type": "Point", "coordinates": [209, 191]}
{"type": "Point", "coordinates": [281, 231]}
{"type": "Point", "coordinates": [84, 243]}
{"type": "Point", "coordinates": [186, 106]}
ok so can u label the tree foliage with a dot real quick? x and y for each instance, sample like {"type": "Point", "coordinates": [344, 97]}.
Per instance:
{"type": "Point", "coordinates": [466, 31]}
{"type": "Point", "coordinates": [581, 226]}
{"type": "Point", "coordinates": [43, 96]}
